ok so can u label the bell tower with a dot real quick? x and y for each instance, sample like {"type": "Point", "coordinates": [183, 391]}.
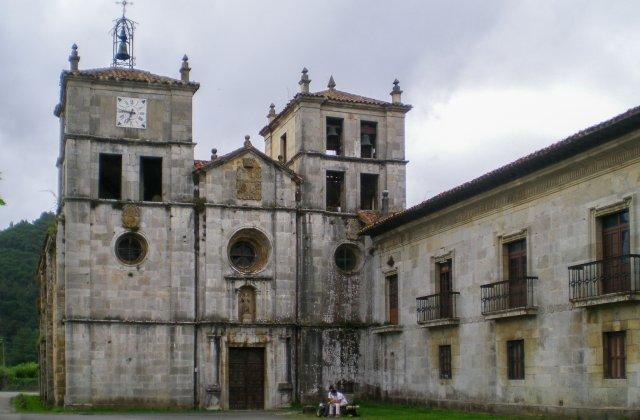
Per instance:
{"type": "Point", "coordinates": [122, 33]}
{"type": "Point", "coordinates": [125, 234]}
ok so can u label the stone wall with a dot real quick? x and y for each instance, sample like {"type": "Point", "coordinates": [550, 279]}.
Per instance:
{"type": "Point", "coordinates": [554, 210]}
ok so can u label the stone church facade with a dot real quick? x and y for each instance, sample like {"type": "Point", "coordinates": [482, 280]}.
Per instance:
{"type": "Point", "coordinates": [258, 278]}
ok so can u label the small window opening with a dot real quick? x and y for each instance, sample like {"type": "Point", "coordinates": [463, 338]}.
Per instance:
{"type": "Point", "coordinates": [283, 147]}
{"type": "Point", "coordinates": [334, 136]}
{"type": "Point", "coordinates": [614, 355]}
{"type": "Point", "coordinates": [151, 178]}
{"type": "Point", "coordinates": [392, 299]}
{"type": "Point", "coordinates": [243, 254]}
{"type": "Point", "coordinates": [335, 191]}
{"type": "Point", "coordinates": [110, 177]}
{"type": "Point", "coordinates": [368, 135]}
{"type": "Point", "coordinates": [515, 359]}
{"type": "Point", "coordinates": [445, 362]}
{"type": "Point", "coordinates": [368, 191]}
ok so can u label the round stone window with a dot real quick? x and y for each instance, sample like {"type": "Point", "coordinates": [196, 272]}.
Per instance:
{"type": "Point", "coordinates": [131, 248]}
{"type": "Point", "coordinates": [347, 257]}
{"type": "Point", "coordinates": [243, 254]}
{"type": "Point", "coordinates": [248, 250]}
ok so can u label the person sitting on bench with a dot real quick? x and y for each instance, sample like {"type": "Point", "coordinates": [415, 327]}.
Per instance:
{"type": "Point", "coordinates": [337, 400]}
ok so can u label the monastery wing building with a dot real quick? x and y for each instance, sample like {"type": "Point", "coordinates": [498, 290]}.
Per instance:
{"type": "Point", "coordinates": [257, 278]}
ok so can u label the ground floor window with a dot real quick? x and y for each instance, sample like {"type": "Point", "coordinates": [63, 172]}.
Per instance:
{"type": "Point", "coordinates": [515, 359]}
{"type": "Point", "coordinates": [445, 362]}
{"type": "Point", "coordinates": [614, 357]}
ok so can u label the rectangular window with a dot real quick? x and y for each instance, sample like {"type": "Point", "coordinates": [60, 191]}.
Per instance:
{"type": "Point", "coordinates": [445, 362]}
{"type": "Point", "coordinates": [151, 178]}
{"type": "Point", "coordinates": [392, 299]}
{"type": "Point", "coordinates": [368, 134]}
{"type": "Point", "coordinates": [615, 250]}
{"type": "Point", "coordinates": [368, 191]}
{"type": "Point", "coordinates": [445, 288]}
{"type": "Point", "coordinates": [614, 355]}
{"type": "Point", "coordinates": [335, 191]}
{"type": "Point", "coordinates": [515, 359]}
{"type": "Point", "coordinates": [110, 177]}
{"type": "Point", "coordinates": [283, 148]}
{"type": "Point", "coordinates": [517, 273]}
{"type": "Point", "coordinates": [334, 136]}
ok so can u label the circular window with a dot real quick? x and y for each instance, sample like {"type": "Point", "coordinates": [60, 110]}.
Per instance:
{"type": "Point", "coordinates": [243, 254]}
{"type": "Point", "coordinates": [131, 248]}
{"type": "Point", "coordinates": [346, 257]}
{"type": "Point", "coordinates": [248, 250]}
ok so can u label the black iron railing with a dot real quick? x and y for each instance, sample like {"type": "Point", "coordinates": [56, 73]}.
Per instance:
{"type": "Point", "coordinates": [610, 275]}
{"type": "Point", "coordinates": [508, 294]}
{"type": "Point", "coordinates": [438, 306]}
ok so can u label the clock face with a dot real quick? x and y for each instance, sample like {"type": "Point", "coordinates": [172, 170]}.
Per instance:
{"type": "Point", "coordinates": [131, 112]}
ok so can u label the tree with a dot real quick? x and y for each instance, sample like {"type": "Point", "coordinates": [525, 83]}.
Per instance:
{"type": "Point", "coordinates": [2, 203]}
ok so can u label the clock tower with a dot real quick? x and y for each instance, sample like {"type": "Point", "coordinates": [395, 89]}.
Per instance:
{"type": "Point", "coordinates": [125, 233]}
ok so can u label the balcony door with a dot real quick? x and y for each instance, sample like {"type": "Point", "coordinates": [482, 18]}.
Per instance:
{"type": "Point", "coordinates": [517, 269]}
{"type": "Point", "coordinates": [446, 301]}
{"type": "Point", "coordinates": [615, 251]}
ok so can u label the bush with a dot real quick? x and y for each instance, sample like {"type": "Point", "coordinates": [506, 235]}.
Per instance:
{"type": "Point", "coordinates": [26, 370]}
{"type": "Point", "coordinates": [22, 377]}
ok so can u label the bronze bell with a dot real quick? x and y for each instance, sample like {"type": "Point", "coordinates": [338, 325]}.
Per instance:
{"type": "Point", "coordinates": [122, 53]}
{"type": "Point", "coordinates": [332, 133]}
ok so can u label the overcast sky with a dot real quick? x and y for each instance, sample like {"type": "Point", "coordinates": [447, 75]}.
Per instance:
{"type": "Point", "coordinates": [490, 81]}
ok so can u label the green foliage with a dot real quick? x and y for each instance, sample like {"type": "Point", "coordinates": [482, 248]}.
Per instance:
{"type": "Point", "coordinates": [20, 247]}
{"type": "Point", "coordinates": [22, 377]}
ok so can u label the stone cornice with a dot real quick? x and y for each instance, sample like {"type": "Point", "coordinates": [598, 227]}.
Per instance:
{"type": "Point", "coordinates": [125, 140]}
{"type": "Point", "coordinates": [321, 155]}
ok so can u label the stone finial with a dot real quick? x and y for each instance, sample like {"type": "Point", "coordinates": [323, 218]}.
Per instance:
{"type": "Point", "coordinates": [385, 203]}
{"type": "Point", "coordinates": [185, 69]}
{"type": "Point", "coordinates": [74, 58]}
{"type": "Point", "coordinates": [304, 81]}
{"type": "Point", "coordinates": [396, 93]}
{"type": "Point", "coordinates": [214, 154]}
{"type": "Point", "coordinates": [332, 83]}
{"type": "Point", "coordinates": [272, 112]}
{"type": "Point", "coordinates": [247, 141]}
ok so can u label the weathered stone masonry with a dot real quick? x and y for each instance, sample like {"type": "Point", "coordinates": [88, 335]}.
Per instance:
{"type": "Point", "coordinates": [258, 260]}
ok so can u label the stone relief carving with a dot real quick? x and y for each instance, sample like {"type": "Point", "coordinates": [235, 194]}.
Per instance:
{"type": "Point", "coordinates": [130, 216]}
{"type": "Point", "coordinates": [249, 180]}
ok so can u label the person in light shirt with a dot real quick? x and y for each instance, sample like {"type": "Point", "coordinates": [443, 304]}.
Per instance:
{"type": "Point", "coordinates": [336, 401]}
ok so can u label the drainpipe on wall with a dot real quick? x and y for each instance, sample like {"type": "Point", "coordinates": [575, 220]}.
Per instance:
{"type": "Point", "coordinates": [196, 259]}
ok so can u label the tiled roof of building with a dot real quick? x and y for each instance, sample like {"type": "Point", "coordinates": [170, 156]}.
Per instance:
{"type": "Point", "coordinates": [336, 96]}
{"type": "Point", "coordinates": [199, 164]}
{"type": "Point", "coordinates": [340, 96]}
{"type": "Point", "coordinates": [577, 143]}
{"type": "Point", "coordinates": [131, 75]}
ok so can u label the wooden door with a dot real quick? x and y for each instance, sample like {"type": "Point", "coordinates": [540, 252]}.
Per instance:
{"type": "Point", "coordinates": [446, 300]}
{"type": "Point", "coordinates": [517, 268]}
{"type": "Point", "coordinates": [392, 284]}
{"type": "Point", "coordinates": [246, 378]}
{"type": "Point", "coordinates": [615, 248]}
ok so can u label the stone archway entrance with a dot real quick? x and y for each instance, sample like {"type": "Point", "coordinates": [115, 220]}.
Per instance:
{"type": "Point", "coordinates": [246, 378]}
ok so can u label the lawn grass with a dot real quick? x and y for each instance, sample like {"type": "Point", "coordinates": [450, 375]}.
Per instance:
{"type": "Point", "coordinates": [25, 403]}
{"type": "Point", "coordinates": [389, 411]}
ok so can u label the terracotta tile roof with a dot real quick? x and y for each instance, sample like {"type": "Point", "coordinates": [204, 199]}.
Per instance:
{"type": "Point", "coordinates": [199, 164]}
{"type": "Point", "coordinates": [340, 96]}
{"type": "Point", "coordinates": [336, 96]}
{"type": "Point", "coordinates": [573, 145]}
{"type": "Point", "coordinates": [131, 75]}
{"type": "Point", "coordinates": [368, 217]}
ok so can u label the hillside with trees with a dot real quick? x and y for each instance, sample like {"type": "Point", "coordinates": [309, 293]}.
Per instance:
{"type": "Point", "coordinates": [20, 246]}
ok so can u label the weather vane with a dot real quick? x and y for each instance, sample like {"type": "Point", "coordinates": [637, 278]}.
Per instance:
{"type": "Point", "coordinates": [124, 4]}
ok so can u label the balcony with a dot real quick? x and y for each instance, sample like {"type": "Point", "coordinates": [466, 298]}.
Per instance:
{"type": "Point", "coordinates": [438, 310]}
{"type": "Point", "coordinates": [610, 280]}
{"type": "Point", "coordinates": [509, 298]}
